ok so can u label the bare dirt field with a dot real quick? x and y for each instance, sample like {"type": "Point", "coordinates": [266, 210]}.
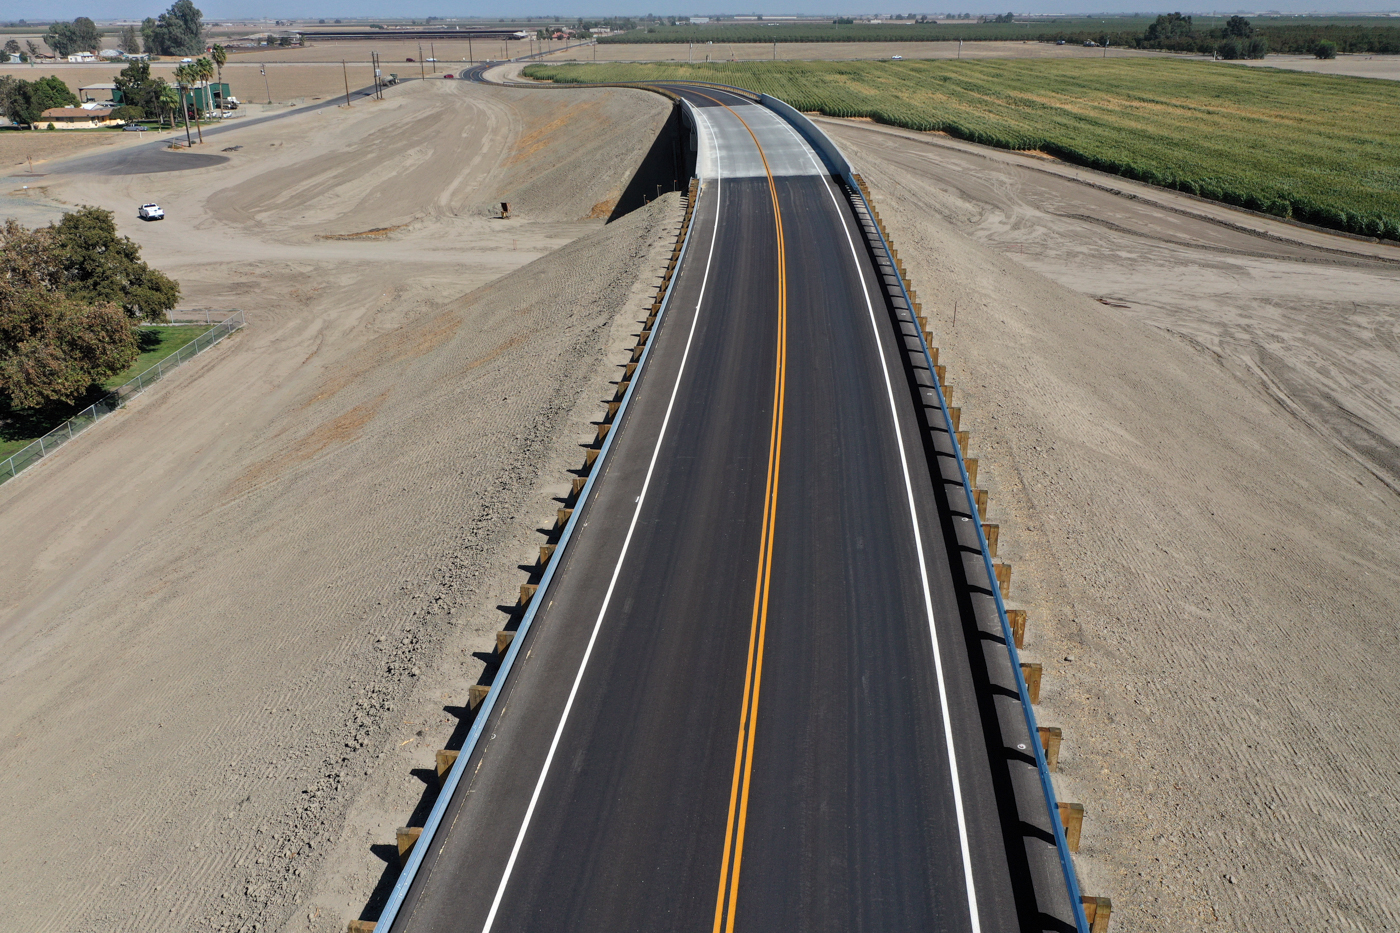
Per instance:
{"type": "Point", "coordinates": [1384, 67]}
{"type": "Point", "coordinates": [285, 82]}
{"type": "Point", "coordinates": [237, 615]}
{"type": "Point", "coordinates": [19, 149]}
{"type": "Point", "coordinates": [1196, 478]}
{"type": "Point", "coordinates": [391, 51]}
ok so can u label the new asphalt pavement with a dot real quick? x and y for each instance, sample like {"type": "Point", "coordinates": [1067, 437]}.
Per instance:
{"type": "Point", "coordinates": [746, 702]}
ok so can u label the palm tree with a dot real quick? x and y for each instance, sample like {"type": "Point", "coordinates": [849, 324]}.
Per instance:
{"type": "Point", "coordinates": [184, 79]}
{"type": "Point", "coordinates": [220, 55]}
{"type": "Point", "coordinates": [168, 100]}
{"type": "Point", "coordinates": [204, 70]}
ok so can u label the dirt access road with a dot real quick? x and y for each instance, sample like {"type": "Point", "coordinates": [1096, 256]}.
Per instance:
{"type": "Point", "coordinates": [1196, 479]}
{"type": "Point", "coordinates": [236, 616]}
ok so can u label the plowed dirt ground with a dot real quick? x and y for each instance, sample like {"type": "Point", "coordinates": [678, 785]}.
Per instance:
{"type": "Point", "coordinates": [238, 615]}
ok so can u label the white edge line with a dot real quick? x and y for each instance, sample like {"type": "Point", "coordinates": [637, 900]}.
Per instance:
{"type": "Point", "coordinates": [617, 569]}
{"type": "Point", "coordinates": [408, 875]}
{"type": "Point", "coordinates": [918, 536]}
{"type": "Point", "coordinates": [923, 574]}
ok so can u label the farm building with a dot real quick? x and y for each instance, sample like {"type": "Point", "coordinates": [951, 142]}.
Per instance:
{"type": "Point", "coordinates": [208, 98]}
{"type": "Point", "coordinates": [77, 118]}
{"type": "Point", "coordinates": [106, 91]}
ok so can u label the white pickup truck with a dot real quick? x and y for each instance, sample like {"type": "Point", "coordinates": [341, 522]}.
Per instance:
{"type": "Point", "coordinates": [150, 212]}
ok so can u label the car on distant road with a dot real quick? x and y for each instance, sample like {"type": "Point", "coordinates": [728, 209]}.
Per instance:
{"type": "Point", "coordinates": [408, 59]}
{"type": "Point", "coordinates": [133, 128]}
{"type": "Point", "coordinates": [896, 58]}
{"type": "Point", "coordinates": [447, 77]}
{"type": "Point", "coordinates": [1059, 41]}
{"type": "Point", "coordinates": [150, 212]}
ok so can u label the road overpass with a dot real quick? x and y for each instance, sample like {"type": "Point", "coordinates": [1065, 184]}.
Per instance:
{"type": "Point", "coordinates": [754, 694]}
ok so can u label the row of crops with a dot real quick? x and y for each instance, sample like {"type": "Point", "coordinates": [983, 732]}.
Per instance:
{"type": "Point", "coordinates": [1317, 148]}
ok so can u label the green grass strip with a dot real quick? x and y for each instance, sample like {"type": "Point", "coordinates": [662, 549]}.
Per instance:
{"type": "Point", "coordinates": [21, 427]}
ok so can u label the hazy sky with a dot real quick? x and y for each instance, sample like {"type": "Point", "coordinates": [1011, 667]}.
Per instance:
{"type": "Point", "coordinates": [242, 9]}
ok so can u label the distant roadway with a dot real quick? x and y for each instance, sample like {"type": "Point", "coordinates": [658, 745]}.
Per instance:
{"type": "Point", "coordinates": [747, 703]}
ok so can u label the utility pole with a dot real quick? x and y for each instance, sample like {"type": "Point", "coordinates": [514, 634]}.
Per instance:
{"type": "Point", "coordinates": [471, 60]}
{"type": "Point", "coordinates": [432, 53]}
{"type": "Point", "coordinates": [422, 70]}
{"type": "Point", "coordinates": [266, 87]}
{"type": "Point", "coordinates": [345, 73]}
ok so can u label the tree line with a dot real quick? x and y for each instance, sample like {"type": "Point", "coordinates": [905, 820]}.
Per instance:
{"type": "Point", "coordinates": [177, 31]}
{"type": "Point", "coordinates": [1239, 38]}
{"type": "Point", "coordinates": [71, 297]}
{"type": "Point", "coordinates": [143, 96]}
{"type": "Point", "coordinates": [23, 101]}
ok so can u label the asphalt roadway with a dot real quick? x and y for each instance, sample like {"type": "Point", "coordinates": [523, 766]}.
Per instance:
{"type": "Point", "coordinates": [747, 702]}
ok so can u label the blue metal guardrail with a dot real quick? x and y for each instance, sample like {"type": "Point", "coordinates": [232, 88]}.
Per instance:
{"type": "Point", "coordinates": [1047, 786]}
{"type": "Point", "coordinates": [454, 777]}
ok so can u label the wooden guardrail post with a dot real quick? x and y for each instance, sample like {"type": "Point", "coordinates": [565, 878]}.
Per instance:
{"type": "Point", "coordinates": [1017, 618]}
{"type": "Point", "coordinates": [1003, 575]}
{"type": "Point", "coordinates": [446, 758]}
{"type": "Point", "coordinates": [407, 839]}
{"type": "Point", "coordinates": [1050, 738]}
{"type": "Point", "coordinates": [1072, 816]}
{"type": "Point", "coordinates": [476, 693]}
{"type": "Point", "coordinates": [1031, 672]}
{"type": "Point", "coordinates": [1097, 911]}
{"type": "Point", "coordinates": [990, 530]}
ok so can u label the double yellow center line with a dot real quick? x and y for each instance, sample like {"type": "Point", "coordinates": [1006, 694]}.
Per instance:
{"type": "Point", "coordinates": [727, 900]}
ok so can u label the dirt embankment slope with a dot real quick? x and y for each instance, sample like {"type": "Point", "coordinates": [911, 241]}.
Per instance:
{"type": "Point", "coordinates": [1207, 556]}
{"type": "Point", "coordinates": [233, 614]}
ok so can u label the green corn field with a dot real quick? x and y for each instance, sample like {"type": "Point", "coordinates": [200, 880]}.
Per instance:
{"type": "Point", "coordinates": [1321, 149]}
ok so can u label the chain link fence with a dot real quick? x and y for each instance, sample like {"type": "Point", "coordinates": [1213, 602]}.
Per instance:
{"type": "Point", "coordinates": [115, 399]}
